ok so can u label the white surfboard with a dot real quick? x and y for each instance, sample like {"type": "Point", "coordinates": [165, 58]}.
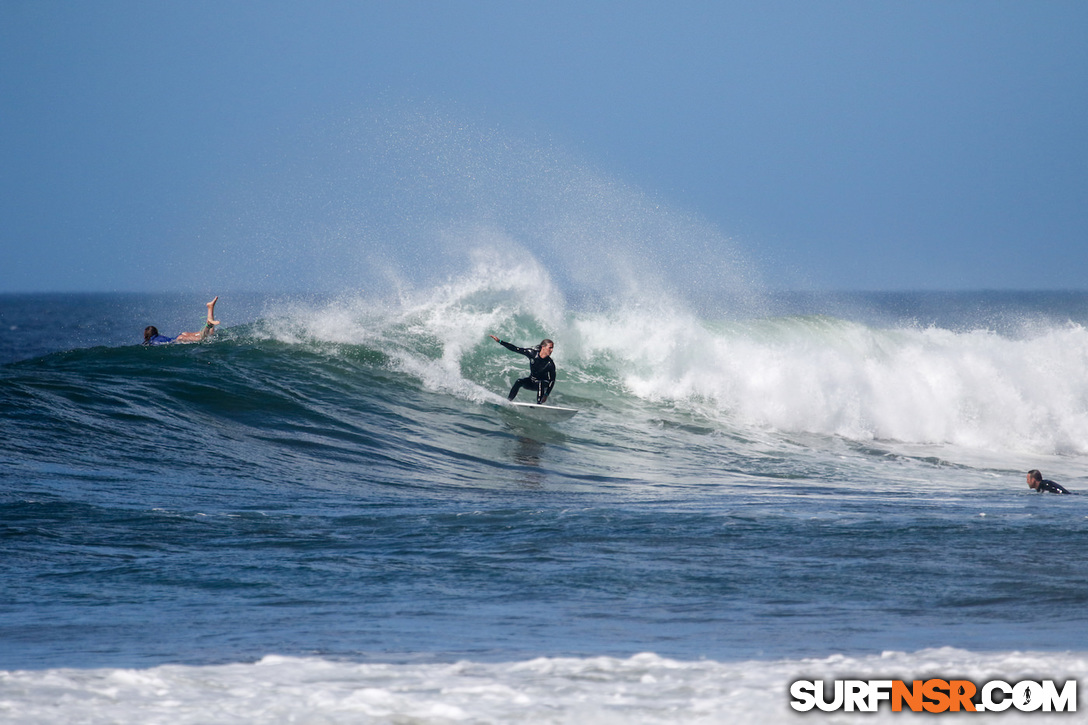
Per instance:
{"type": "Point", "coordinates": [545, 412]}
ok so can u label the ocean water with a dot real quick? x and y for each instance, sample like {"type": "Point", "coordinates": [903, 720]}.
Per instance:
{"type": "Point", "coordinates": [327, 514]}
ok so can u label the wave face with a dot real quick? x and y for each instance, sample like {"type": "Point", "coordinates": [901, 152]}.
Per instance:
{"type": "Point", "coordinates": [339, 481]}
{"type": "Point", "coordinates": [1011, 384]}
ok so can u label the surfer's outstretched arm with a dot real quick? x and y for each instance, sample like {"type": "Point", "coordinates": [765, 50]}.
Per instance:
{"type": "Point", "coordinates": [507, 345]}
{"type": "Point", "coordinates": [208, 329]}
{"type": "Point", "coordinates": [514, 348]}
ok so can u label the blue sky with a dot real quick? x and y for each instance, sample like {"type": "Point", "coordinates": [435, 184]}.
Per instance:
{"type": "Point", "coordinates": [840, 144]}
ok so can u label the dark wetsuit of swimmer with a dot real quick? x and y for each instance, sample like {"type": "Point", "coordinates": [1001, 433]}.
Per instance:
{"type": "Point", "coordinates": [1050, 487]}
{"type": "Point", "coordinates": [541, 373]}
{"type": "Point", "coordinates": [159, 340]}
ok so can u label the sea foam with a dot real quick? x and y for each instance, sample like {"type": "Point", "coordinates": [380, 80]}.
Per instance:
{"type": "Point", "coordinates": [644, 688]}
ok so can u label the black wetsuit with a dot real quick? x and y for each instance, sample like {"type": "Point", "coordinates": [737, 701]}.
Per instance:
{"type": "Point", "coordinates": [541, 372]}
{"type": "Point", "coordinates": [1050, 486]}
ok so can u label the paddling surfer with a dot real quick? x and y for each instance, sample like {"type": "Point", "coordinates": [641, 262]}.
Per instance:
{"type": "Point", "coordinates": [152, 336]}
{"type": "Point", "coordinates": [541, 369]}
{"type": "Point", "coordinates": [1040, 484]}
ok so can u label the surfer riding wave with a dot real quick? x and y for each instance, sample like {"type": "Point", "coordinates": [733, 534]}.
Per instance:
{"type": "Point", "coordinates": [541, 369]}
